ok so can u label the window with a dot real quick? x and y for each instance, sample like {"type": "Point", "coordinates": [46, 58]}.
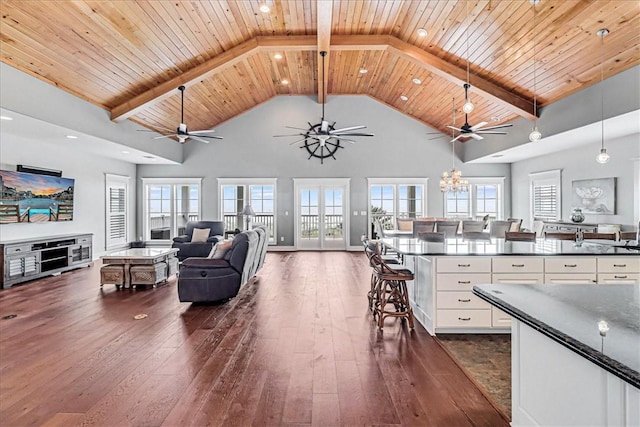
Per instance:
{"type": "Point", "coordinates": [391, 198]}
{"type": "Point", "coordinates": [117, 190]}
{"type": "Point", "coordinates": [545, 195]}
{"type": "Point", "coordinates": [260, 193]}
{"type": "Point", "coordinates": [168, 205]}
{"type": "Point", "coordinates": [485, 197]}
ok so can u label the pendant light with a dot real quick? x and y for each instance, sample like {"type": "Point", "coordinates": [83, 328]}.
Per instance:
{"type": "Point", "coordinates": [535, 134]}
{"type": "Point", "coordinates": [603, 156]}
{"type": "Point", "coordinates": [468, 105]}
{"type": "Point", "coordinates": [451, 181]}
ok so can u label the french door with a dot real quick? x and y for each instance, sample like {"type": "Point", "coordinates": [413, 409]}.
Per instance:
{"type": "Point", "coordinates": [322, 213]}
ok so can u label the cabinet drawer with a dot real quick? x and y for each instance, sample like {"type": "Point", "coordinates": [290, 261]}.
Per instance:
{"type": "Point", "coordinates": [464, 300]}
{"type": "Point", "coordinates": [569, 265]}
{"type": "Point", "coordinates": [499, 319]}
{"type": "Point", "coordinates": [17, 249]}
{"type": "Point", "coordinates": [460, 282]}
{"type": "Point", "coordinates": [570, 279]}
{"type": "Point", "coordinates": [464, 265]}
{"type": "Point", "coordinates": [513, 278]}
{"type": "Point", "coordinates": [619, 265]}
{"type": "Point", "coordinates": [619, 278]}
{"type": "Point", "coordinates": [464, 318]}
{"type": "Point", "coordinates": [518, 265]}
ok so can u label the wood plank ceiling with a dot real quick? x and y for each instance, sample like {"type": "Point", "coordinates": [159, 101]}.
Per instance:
{"type": "Point", "coordinates": [130, 56]}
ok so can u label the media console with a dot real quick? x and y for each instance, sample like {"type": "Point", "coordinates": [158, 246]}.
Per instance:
{"type": "Point", "coordinates": [28, 259]}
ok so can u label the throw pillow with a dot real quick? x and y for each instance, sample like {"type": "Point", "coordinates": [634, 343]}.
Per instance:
{"type": "Point", "coordinates": [221, 249]}
{"type": "Point", "coordinates": [515, 226]}
{"type": "Point", "coordinates": [212, 251]}
{"type": "Point", "coordinates": [200, 235]}
{"type": "Point", "coordinates": [405, 224]}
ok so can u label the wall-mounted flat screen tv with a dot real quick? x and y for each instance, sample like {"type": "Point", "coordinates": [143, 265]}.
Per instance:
{"type": "Point", "coordinates": [28, 197]}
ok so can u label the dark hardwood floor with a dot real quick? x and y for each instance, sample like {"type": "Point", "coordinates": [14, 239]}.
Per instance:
{"type": "Point", "coordinates": [297, 346]}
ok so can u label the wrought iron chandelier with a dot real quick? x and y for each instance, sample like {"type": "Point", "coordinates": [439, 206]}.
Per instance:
{"type": "Point", "coordinates": [451, 180]}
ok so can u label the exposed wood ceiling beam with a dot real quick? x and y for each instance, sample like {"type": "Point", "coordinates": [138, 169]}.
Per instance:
{"type": "Point", "coordinates": [324, 13]}
{"type": "Point", "coordinates": [522, 107]}
{"type": "Point", "coordinates": [215, 65]}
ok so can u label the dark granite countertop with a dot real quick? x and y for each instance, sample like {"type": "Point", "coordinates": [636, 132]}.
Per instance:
{"type": "Point", "coordinates": [569, 314]}
{"type": "Point", "coordinates": [459, 246]}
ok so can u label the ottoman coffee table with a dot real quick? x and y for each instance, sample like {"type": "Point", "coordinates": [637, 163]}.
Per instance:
{"type": "Point", "coordinates": [139, 266]}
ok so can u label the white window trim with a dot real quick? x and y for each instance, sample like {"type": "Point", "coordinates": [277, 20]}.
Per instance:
{"type": "Point", "coordinates": [110, 181]}
{"type": "Point", "coordinates": [552, 176]}
{"type": "Point", "coordinates": [395, 182]}
{"type": "Point", "coordinates": [166, 181]}
{"type": "Point", "coordinates": [251, 181]}
{"type": "Point", "coordinates": [484, 180]}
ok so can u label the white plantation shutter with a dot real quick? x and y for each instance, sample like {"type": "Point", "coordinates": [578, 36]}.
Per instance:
{"type": "Point", "coordinates": [116, 215]}
{"type": "Point", "coordinates": [545, 195]}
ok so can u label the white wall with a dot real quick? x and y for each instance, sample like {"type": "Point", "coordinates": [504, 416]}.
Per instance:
{"type": "Point", "coordinates": [89, 191]}
{"type": "Point", "coordinates": [580, 164]}
{"type": "Point", "coordinates": [399, 149]}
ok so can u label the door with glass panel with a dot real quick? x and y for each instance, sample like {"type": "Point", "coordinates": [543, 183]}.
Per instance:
{"type": "Point", "coordinates": [321, 214]}
{"type": "Point", "coordinates": [168, 209]}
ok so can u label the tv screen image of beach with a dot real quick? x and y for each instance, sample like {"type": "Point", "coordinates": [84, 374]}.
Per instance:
{"type": "Point", "coordinates": [28, 197]}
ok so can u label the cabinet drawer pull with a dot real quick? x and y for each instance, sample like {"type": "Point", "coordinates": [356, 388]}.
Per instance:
{"type": "Point", "coordinates": [571, 265]}
{"type": "Point", "coordinates": [517, 265]}
{"type": "Point", "coordinates": [620, 277]}
{"type": "Point", "coordinates": [464, 318]}
{"type": "Point", "coordinates": [468, 300]}
{"type": "Point", "coordinates": [464, 282]}
{"type": "Point", "coordinates": [18, 250]}
{"type": "Point", "coordinates": [619, 265]}
{"type": "Point", "coordinates": [464, 265]}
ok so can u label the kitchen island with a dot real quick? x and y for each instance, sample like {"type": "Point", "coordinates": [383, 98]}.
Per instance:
{"type": "Point", "coordinates": [445, 273]}
{"type": "Point", "coordinates": [575, 352]}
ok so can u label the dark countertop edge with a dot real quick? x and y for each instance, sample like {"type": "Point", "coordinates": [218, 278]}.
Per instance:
{"type": "Point", "coordinates": [616, 368]}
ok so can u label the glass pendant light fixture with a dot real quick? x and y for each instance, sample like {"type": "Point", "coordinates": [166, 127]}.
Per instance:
{"type": "Point", "coordinates": [451, 180]}
{"type": "Point", "coordinates": [603, 156]}
{"type": "Point", "coordinates": [535, 134]}
{"type": "Point", "coordinates": [468, 105]}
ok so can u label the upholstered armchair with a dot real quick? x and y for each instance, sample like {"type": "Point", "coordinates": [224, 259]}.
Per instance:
{"type": "Point", "coordinates": [196, 242]}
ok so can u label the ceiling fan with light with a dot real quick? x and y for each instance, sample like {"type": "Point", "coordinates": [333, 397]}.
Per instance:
{"type": "Point", "coordinates": [182, 132]}
{"type": "Point", "coordinates": [322, 140]}
{"type": "Point", "coordinates": [476, 131]}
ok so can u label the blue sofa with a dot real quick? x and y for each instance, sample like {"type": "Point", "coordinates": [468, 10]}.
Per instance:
{"type": "Point", "coordinates": [209, 280]}
{"type": "Point", "coordinates": [199, 249]}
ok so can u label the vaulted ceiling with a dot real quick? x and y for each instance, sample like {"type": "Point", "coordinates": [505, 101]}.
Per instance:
{"type": "Point", "coordinates": [129, 57]}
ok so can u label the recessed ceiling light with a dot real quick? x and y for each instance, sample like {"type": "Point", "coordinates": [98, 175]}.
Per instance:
{"type": "Point", "coordinates": [278, 56]}
{"type": "Point", "coordinates": [498, 155]}
{"type": "Point", "coordinates": [495, 119]}
{"type": "Point", "coordinates": [72, 137]}
{"type": "Point", "coordinates": [264, 8]}
{"type": "Point", "coordinates": [422, 32]}
{"type": "Point", "coordinates": [125, 152]}
{"type": "Point", "coordinates": [363, 71]}
{"type": "Point", "coordinates": [284, 81]}
{"type": "Point", "coordinates": [404, 97]}
{"type": "Point", "coordinates": [148, 157]}
{"type": "Point", "coordinates": [6, 118]}
{"type": "Point", "coordinates": [416, 80]}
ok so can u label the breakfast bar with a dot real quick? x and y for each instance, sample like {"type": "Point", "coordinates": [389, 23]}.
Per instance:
{"type": "Point", "coordinates": [445, 273]}
{"type": "Point", "coordinates": [575, 352]}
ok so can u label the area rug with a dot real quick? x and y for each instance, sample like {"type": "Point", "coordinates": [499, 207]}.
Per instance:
{"type": "Point", "coordinates": [487, 361]}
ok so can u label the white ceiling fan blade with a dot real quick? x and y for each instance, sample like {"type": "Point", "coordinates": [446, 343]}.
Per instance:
{"type": "Point", "coordinates": [457, 138]}
{"type": "Point", "coordinates": [299, 140]}
{"type": "Point", "coordinates": [475, 136]}
{"type": "Point", "coordinates": [293, 127]}
{"type": "Point", "coordinates": [479, 125]}
{"type": "Point", "coordinates": [353, 134]}
{"type": "Point", "coordinates": [508, 125]}
{"type": "Point", "coordinates": [197, 138]}
{"type": "Point", "coordinates": [345, 139]}
{"type": "Point", "coordinates": [335, 131]}
{"type": "Point", "coordinates": [437, 137]}
{"type": "Point", "coordinates": [165, 136]}
{"type": "Point", "coordinates": [482, 132]}
{"type": "Point", "coordinates": [207, 136]}
{"type": "Point", "coordinates": [454, 128]}
{"type": "Point", "coordinates": [291, 134]}
{"type": "Point", "coordinates": [198, 132]}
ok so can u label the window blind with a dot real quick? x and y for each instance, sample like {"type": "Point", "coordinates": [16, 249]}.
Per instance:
{"type": "Point", "coordinates": [545, 201]}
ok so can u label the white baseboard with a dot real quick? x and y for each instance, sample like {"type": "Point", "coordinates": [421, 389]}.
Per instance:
{"type": "Point", "coordinates": [281, 248]}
